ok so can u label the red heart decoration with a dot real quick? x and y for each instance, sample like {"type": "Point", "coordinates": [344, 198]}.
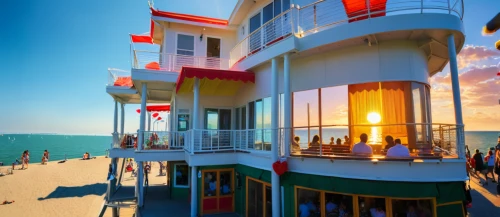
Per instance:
{"type": "Point", "coordinates": [280, 167]}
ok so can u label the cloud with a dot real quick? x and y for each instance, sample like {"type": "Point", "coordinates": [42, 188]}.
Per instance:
{"type": "Point", "coordinates": [470, 54]}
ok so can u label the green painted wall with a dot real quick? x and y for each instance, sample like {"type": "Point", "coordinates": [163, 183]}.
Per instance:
{"type": "Point", "coordinates": [443, 192]}
{"type": "Point", "coordinates": [176, 193]}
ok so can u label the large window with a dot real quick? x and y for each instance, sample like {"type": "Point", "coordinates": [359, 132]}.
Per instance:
{"type": "Point", "coordinates": [372, 207]}
{"type": "Point", "coordinates": [181, 175]}
{"type": "Point", "coordinates": [308, 203]}
{"type": "Point", "coordinates": [185, 45]}
{"type": "Point", "coordinates": [259, 200]}
{"type": "Point", "coordinates": [420, 208]}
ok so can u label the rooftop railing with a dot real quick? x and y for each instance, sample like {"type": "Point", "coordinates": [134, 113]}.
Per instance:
{"type": "Point", "coordinates": [174, 62]}
{"type": "Point", "coordinates": [324, 14]}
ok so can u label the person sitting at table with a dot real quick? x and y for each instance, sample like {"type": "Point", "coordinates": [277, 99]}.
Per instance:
{"type": "Point", "coordinates": [339, 141]}
{"type": "Point", "coordinates": [332, 141]}
{"type": "Point", "coordinates": [315, 141]}
{"type": "Point", "coordinates": [390, 143]}
{"type": "Point", "coordinates": [398, 150]}
{"type": "Point", "coordinates": [346, 140]}
{"type": "Point", "coordinates": [362, 148]}
{"type": "Point", "coordinates": [296, 144]}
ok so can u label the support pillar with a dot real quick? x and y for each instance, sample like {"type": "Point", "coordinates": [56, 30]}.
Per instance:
{"type": "Point", "coordinates": [287, 105]}
{"type": "Point", "coordinates": [196, 101]}
{"type": "Point", "coordinates": [140, 181]}
{"type": "Point", "coordinates": [275, 179]}
{"type": "Point", "coordinates": [457, 103]}
{"type": "Point", "coordinates": [122, 122]}
{"type": "Point", "coordinates": [149, 121]}
{"type": "Point", "coordinates": [142, 124]}
{"type": "Point", "coordinates": [194, 191]}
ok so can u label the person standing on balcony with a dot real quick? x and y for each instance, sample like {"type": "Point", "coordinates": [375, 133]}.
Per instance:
{"type": "Point", "coordinates": [362, 148]}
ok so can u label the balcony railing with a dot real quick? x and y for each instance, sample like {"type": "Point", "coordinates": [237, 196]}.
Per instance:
{"type": "Point", "coordinates": [434, 141]}
{"type": "Point", "coordinates": [324, 14]}
{"type": "Point", "coordinates": [164, 140]}
{"type": "Point", "coordinates": [271, 32]}
{"type": "Point", "coordinates": [117, 76]}
{"type": "Point", "coordinates": [174, 62]}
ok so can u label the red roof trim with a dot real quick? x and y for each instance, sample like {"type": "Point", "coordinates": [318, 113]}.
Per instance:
{"type": "Point", "coordinates": [141, 39]}
{"type": "Point", "coordinates": [189, 17]}
{"type": "Point", "coordinates": [211, 74]}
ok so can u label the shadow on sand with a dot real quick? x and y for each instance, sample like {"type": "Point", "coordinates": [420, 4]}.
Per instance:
{"type": "Point", "coordinates": [77, 191]}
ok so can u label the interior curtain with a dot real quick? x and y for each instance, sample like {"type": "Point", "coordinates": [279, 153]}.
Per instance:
{"type": "Point", "coordinates": [394, 105]}
{"type": "Point", "coordinates": [363, 99]}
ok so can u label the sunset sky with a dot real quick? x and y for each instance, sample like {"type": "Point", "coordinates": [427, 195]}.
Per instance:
{"type": "Point", "coordinates": [55, 58]}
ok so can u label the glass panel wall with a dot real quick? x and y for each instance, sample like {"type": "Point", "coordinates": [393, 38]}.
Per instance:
{"type": "Point", "coordinates": [308, 203]}
{"type": "Point", "coordinates": [371, 207]}
{"type": "Point", "coordinates": [405, 208]}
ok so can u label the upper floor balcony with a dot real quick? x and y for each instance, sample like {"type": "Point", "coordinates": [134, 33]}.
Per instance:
{"type": "Point", "coordinates": [169, 62]}
{"type": "Point", "coordinates": [301, 21]}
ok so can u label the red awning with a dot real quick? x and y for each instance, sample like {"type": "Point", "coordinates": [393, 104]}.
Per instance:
{"type": "Point", "coordinates": [141, 39]}
{"type": "Point", "coordinates": [188, 17]}
{"type": "Point", "coordinates": [213, 81]}
{"type": "Point", "coordinates": [357, 10]}
{"type": "Point", "coordinates": [156, 108]}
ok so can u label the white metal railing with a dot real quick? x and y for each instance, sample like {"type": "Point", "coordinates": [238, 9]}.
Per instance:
{"type": "Point", "coordinates": [116, 74]}
{"type": "Point", "coordinates": [330, 13]}
{"type": "Point", "coordinates": [323, 14]}
{"type": "Point", "coordinates": [164, 140]}
{"type": "Point", "coordinates": [174, 62]}
{"type": "Point", "coordinates": [271, 32]}
{"type": "Point", "coordinates": [229, 140]}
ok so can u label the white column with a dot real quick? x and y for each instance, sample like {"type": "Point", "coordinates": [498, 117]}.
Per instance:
{"type": "Point", "coordinates": [194, 191]}
{"type": "Point", "coordinates": [275, 179]}
{"type": "Point", "coordinates": [196, 101]}
{"type": "Point", "coordinates": [452, 53]}
{"type": "Point", "coordinates": [143, 116]}
{"type": "Point", "coordinates": [122, 122]}
{"type": "Point", "coordinates": [140, 180]}
{"type": "Point", "coordinates": [287, 95]}
{"type": "Point", "coordinates": [115, 125]}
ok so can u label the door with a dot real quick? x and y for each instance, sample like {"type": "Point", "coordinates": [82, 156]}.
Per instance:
{"type": "Point", "coordinates": [255, 39]}
{"type": "Point", "coordinates": [185, 52]}
{"type": "Point", "coordinates": [213, 53]}
{"type": "Point", "coordinates": [259, 200]}
{"type": "Point", "coordinates": [218, 191]}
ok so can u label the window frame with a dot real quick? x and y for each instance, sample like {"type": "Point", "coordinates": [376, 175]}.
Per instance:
{"type": "Point", "coordinates": [175, 176]}
{"type": "Point", "coordinates": [264, 185]}
{"type": "Point", "coordinates": [355, 201]}
{"type": "Point", "coordinates": [177, 39]}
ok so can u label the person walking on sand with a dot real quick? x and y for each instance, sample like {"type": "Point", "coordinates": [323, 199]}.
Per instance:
{"type": "Point", "coordinates": [479, 166]}
{"type": "Point", "coordinates": [490, 161]}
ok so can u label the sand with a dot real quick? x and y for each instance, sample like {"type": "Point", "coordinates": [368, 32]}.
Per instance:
{"type": "Point", "coordinates": [73, 188]}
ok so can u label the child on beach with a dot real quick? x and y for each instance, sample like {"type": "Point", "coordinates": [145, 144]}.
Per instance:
{"type": "Point", "coordinates": [45, 157]}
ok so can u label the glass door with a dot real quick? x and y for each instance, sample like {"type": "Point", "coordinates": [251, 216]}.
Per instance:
{"type": "Point", "coordinates": [213, 53]}
{"type": "Point", "coordinates": [218, 191]}
{"type": "Point", "coordinates": [259, 200]}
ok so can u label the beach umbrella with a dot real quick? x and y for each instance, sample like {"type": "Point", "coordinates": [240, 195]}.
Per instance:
{"type": "Point", "coordinates": [138, 111]}
{"type": "Point", "coordinates": [155, 115]}
{"type": "Point", "coordinates": [159, 118]}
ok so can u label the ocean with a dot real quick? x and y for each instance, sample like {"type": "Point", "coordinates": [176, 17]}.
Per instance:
{"type": "Point", "coordinates": [73, 146]}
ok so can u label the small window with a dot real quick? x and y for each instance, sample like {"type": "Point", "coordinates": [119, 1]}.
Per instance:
{"type": "Point", "coordinates": [412, 208]}
{"type": "Point", "coordinates": [338, 205]}
{"type": "Point", "coordinates": [308, 203]}
{"type": "Point", "coordinates": [185, 45]}
{"type": "Point", "coordinates": [371, 206]}
{"type": "Point", "coordinates": [181, 175]}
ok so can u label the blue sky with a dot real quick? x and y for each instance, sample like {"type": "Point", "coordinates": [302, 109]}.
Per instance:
{"type": "Point", "coordinates": [55, 54]}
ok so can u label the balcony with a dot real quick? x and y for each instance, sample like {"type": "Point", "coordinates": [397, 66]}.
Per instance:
{"type": "Point", "coordinates": [157, 61]}
{"type": "Point", "coordinates": [325, 14]}
{"type": "Point", "coordinates": [119, 78]}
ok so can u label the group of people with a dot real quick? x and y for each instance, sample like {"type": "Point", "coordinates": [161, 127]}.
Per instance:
{"type": "Point", "coordinates": [25, 159]}
{"type": "Point", "coordinates": [490, 164]}
{"type": "Point", "coordinates": [394, 148]}
{"type": "Point", "coordinates": [316, 142]}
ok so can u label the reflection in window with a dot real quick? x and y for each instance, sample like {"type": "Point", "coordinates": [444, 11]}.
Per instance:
{"type": "Point", "coordinates": [371, 207]}
{"type": "Point", "coordinates": [225, 183]}
{"type": "Point", "coordinates": [210, 185]}
{"type": "Point", "coordinates": [338, 205]}
{"type": "Point", "coordinates": [269, 201]}
{"type": "Point", "coordinates": [308, 203]}
{"type": "Point", "coordinates": [255, 195]}
{"type": "Point", "coordinates": [305, 115]}
{"type": "Point", "coordinates": [181, 175]}
{"type": "Point", "coordinates": [405, 208]}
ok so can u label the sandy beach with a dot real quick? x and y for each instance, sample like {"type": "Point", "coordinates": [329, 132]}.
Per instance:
{"type": "Point", "coordinates": [73, 188]}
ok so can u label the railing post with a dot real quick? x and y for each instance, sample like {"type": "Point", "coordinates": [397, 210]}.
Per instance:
{"type": "Point", "coordinates": [192, 140]}
{"type": "Point", "coordinates": [368, 8]}
{"type": "Point", "coordinates": [314, 9]}
{"type": "Point", "coordinates": [449, 7]}
{"type": "Point", "coordinates": [421, 6]}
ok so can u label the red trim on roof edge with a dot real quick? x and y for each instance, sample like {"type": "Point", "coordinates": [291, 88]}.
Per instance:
{"type": "Point", "coordinates": [141, 39]}
{"type": "Point", "coordinates": [211, 74]}
{"type": "Point", "coordinates": [189, 17]}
